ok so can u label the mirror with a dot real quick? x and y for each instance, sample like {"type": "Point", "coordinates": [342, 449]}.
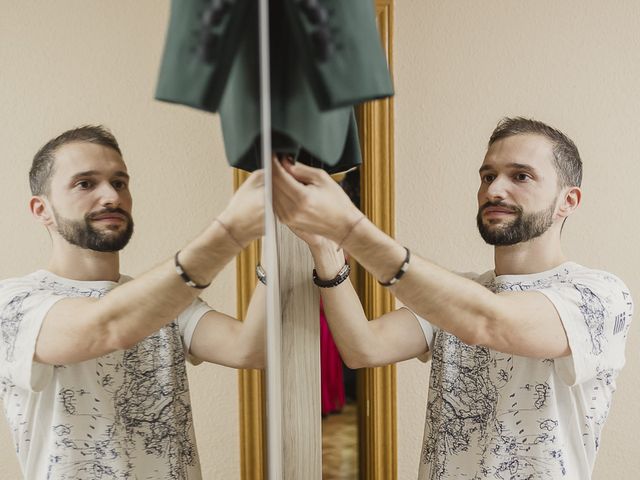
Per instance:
{"type": "Point", "coordinates": [376, 406]}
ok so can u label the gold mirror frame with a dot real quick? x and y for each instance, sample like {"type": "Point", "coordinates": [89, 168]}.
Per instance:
{"type": "Point", "coordinates": [376, 386]}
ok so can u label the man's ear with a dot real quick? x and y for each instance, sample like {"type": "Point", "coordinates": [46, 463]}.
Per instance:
{"type": "Point", "coordinates": [41, 210]}
{"type": "Point", "coordinates": [570, 201]}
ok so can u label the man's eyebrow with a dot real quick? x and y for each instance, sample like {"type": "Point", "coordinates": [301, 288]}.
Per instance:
{"type": "Point", "coordinates": [93, 173]}
{"type": "Point", "coordinates": [512, 165]}
{"type": "Point", "coordinates": [521, 166]}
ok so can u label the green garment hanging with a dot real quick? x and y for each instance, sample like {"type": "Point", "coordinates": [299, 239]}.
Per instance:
{"type": "Point", "coordinates": [325, 57]}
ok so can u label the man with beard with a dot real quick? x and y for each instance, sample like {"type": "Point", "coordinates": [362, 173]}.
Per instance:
{"type": "Point", "coordinates": [524, 356]}
{"type": "Point", "coordinates": [92, 363]}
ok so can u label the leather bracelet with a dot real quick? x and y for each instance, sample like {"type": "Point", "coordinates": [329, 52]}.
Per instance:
{"type": "Point", "coordinates": [342, 275]}
{"type": "Point", "coordinates": [186, 278]}
{"type": "Point", "coordinates": [403, 269]}
{"type": "Point", "coordinates": [261, 274]}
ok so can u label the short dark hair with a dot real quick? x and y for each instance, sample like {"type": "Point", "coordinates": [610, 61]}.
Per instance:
{"type": "Point", "coordinates": [43, 161]}
{"type": "Point", "coordinates": [565, 153]}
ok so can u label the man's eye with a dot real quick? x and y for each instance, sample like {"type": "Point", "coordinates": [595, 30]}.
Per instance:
{"type": "Point", "coordinates": [83, 184]}
{"type": "Point", "coordinates": [523, 177]}
{"type": "Point", "coordinates": [119, 185]}
{"type": "Point", "coordinates": [488, 178]}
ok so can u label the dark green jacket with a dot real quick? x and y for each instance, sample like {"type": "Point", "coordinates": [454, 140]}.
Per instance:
{"type": "Point", "coordinates": [325, 57]}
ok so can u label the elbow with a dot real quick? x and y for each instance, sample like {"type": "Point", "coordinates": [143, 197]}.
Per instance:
{"type": "Point", "coordinates": [113, 337]}
{"type": "Point", "coordinates": [365, 362]}
{"type": "Point", "coordinates": [478, 333]}
{"type": "Point", "coordinates": [103, 335]}
{"type": "Point", "coordinates": [472, 337]}
{"type": "Point", "coordinates": [356, 360]}
{"type": "Point", "coordinates": [115, 341]}
{"type": "Point", "coordinates": [489, 331]}
{"type": "Point", "coordinates": [354, 363]}
{"type": "Point", "coordinates": [108, 336]}
{"type": "Point", "coordinates": [367, 351]}
{"type": "Point", "coordinates": [254, 359]}
{"type": "Point", "coordinates": [253, 363]}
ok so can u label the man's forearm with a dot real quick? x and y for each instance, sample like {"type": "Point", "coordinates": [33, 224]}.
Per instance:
{"type": "Point", "coordinates": [342, 307]}
{"type": "Point", "coordinates": [140, 307]}
{"type": "Point", "coordinates": [78, 329]}
{"type": "Point", "coordinates": [450, 302]}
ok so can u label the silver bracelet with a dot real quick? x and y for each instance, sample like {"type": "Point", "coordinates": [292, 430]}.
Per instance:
{"type": "Point", "coordinates": [261, 274]}
{"type": "Point", "coordinates": [403, 269]}
{"type": "Point", "coordinates": [186, 278]}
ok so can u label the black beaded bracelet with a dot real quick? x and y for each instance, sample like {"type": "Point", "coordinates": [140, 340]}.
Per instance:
{"type": "Point", "coordinates": [342, 275]}
{"type": "Point", "coordinates": [185, 277]}
{"type": "Point", "coordinates": [403, 268]}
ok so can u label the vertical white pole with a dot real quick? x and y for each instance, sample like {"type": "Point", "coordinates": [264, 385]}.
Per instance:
{"type": "Point", "coordinates": [274, 316]}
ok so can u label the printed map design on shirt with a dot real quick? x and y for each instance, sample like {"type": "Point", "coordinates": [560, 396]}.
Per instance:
{"type": "Point", "coordinates": [10, 319]}
{"type": "Point", "coordinates": [466, 411]}
{"type": "Point", "coordinates": [149, 413]}
{"type": "Point", "coordinates": [125, 415]}
{"type": "Point", "coordinates": [492, 415]}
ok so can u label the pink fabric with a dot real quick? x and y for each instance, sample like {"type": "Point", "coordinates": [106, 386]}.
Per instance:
{"type": "Point", "coordinates": [332, 384]}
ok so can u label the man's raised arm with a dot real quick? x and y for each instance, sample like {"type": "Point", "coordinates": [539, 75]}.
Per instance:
{"type": "Point", "coordinates": [78, 329]}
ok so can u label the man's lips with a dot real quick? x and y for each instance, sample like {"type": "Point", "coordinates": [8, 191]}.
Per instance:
{"type": "Point", "coordinates": [110, 217]}
{"type": "Point", "coordinates": [497, 211]}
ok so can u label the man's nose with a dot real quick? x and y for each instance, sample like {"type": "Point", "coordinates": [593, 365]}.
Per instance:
{"type": "Point", "coordinates": [109, 196]}
{"type": "Point", "coordinates": [497, 189]}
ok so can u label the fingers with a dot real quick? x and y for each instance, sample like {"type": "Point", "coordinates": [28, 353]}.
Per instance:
{"type": "Point", "coordinates": [285, 183]}
{"type": "Point", "coordinates": [304, 173]}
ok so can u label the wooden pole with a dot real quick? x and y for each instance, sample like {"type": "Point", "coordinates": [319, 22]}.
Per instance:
{"type": "Point", "coordinates": [293, 325]}
{"type": "Point", "coordinates": [301, 415]}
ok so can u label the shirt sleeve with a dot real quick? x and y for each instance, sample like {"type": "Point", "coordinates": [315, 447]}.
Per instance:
{"type": "Point", "coordinates": [187, 323]}
{"type": "Point", "coordinates": [429, 332]}
{"type": "Point", "coordinates": [22, 311]}
{"type": "Point", "coordinates": [596, 310]}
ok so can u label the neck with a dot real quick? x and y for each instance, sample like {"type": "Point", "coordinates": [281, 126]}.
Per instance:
{"type": "Point", "coordinates": [537, 255]}
{"type": "Point", "coordinates": [75, 263]}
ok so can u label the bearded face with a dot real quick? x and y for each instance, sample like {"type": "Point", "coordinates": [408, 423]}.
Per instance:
{"type": "Point", "coordinates": [521, 227]}
{"type": "Point", "coordinates": [108, 230]}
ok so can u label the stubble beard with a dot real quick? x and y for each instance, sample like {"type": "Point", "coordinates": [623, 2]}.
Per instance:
{"type": "Point", "coordinates": [524, 227]}
{"type": "Point", "coordinates": [83, 234]}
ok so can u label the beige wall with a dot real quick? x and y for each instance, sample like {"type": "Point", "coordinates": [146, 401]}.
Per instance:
{"type": "Point", "coordinates": [460, 66]}
{"type": "Point", "coordinates": [71, 62]}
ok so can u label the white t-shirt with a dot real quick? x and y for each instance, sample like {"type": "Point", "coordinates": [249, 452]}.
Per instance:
{"type": "Point", "coordinates": [491, 415]}
{"type": "Point", "coordinates": [123, 415]}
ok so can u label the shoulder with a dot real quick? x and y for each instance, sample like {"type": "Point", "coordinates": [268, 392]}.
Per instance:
{"type": "Point", "coordinates": [596, 293]}
{"type": "Point", "coordinates": [602, 281]}
{"type": "Point", "coordinates": [18, 295]}
{"type": "Point", "coordinates": [26, 283]}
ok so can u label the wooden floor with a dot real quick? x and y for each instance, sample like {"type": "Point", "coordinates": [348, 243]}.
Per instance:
{"type": "Point", "coordinates": [340, 445]}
